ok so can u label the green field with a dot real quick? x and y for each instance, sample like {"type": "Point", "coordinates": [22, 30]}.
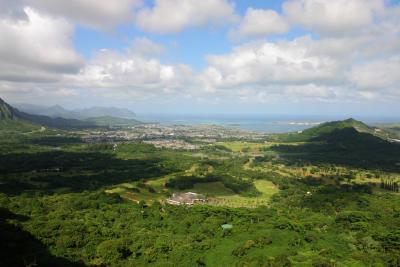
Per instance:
{"type": "Point", "coordinates": [241, 146]}
{"type": "Point", "coordinates": [266, 188]}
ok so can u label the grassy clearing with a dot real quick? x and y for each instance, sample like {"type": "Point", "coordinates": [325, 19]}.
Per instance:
{"type": "Point", "coordinates": [216, 192]}
{"type": "Point", "coordinates": [266, 188]}
{"type": "Point", "coordinates": [254, 148]}
{"type": "Point", "coordinates": [212, 189]}
{"type": "Point", "coordinates": [121, 188]}
{"type": "Point", "coordinates": [158, 184]}
{"type": "Point", "coordinates": [138, 192]}
{"type": "Point", "coordinates": [240, 146]}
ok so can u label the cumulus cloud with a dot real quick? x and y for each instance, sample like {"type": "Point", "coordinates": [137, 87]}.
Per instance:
{"type": "Point", "coordinates": [332, 17]}
{"type": "Point", "coordinates": [273, 93]}
{"type": "Point", "coordinates": [267, 62]}
{"type": "Point", "coordinates": [37, 55]}
{"type": "Point", "coordinates": [102, 15]}
{"type": "Point", "coordinates": [310, 91]}
{"type": "Point", "coordinates": [91, 13]}
{"type": "Point", "coordinates": [38, 48]}
{"type": "Point", "coordinates": [261, 22]}
{"type": "Point", "coordinates": [380, 74]}
{"type": "Point", "coordinates": [171, 16]}
{"type": "Point", "coordinates": [130, 71]}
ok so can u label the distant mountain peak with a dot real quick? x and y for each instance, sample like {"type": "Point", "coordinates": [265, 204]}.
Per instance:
{"type": "Point", "coordinates": [348, 123]}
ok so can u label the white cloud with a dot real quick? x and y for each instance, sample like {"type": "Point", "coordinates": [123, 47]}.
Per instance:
{"type": "Point", "coordinates": [261, 22]}
{"type": "Point", "coordinates": [37, 55]}
{"type": "Point", "coordinates": [170, 16]}
{"type": "Point", "coordinates": [286, 93]}
{"type": "Point", "coordinates": [250, 95]}
{"type": "Point", "coordinates": [380, 74]}
{"type": "Point", "coordinates": [266, 62]}
{"type": "Point", "coordinates": [145, 47]}
{"type": "Point", "coordinates": [36, 49]}
{"type": "Point", "coordinates": [333, 68]}
{"type": "Point", "coordinates": [368, 95]}
{"type": "Point", "coordinates": [332, 17]}
{"type": "Point", "coordinates": [96, 14]}
{"type": "Point", "coordinates": [309, 91]}
{"type": "Point", "coordinates": [13, 9]}
{"type": "Point", "coordinates": [91, 13]}
{"type": "Point", "coordinates": [131, 71]}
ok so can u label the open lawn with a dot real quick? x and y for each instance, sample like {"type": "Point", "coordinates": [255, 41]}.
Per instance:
{"type": "Point", "coordinates": [240, 146]}
{"type": "Point", "coordinates": [266, 188]}
{"type": "Point", "coordinates": [150, 191]}
{"type": "Point", "coordinates": [214, 189]}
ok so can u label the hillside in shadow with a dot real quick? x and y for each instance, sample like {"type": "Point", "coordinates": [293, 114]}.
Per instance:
{"type": "Point", "coordinates": [63, 172]}
{"type": "Point", "coordinates": [346, 147]}
{"type": "Point", "coordinates": [19, 248]}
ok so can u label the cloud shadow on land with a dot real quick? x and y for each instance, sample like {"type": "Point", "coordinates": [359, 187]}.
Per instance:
{"type": "Point", "coordinates": [346, 147]}
{"type": "Point", "coordinates": [64, 172]}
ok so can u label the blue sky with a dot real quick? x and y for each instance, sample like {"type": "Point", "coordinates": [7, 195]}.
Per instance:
{"type": "Point", "coordinates": [188, 56]}
{"type": "Point", "coordinates": [189, 46]}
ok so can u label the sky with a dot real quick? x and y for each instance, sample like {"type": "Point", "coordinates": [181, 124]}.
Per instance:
{"type": "Point", "coordinates": [294, 57]}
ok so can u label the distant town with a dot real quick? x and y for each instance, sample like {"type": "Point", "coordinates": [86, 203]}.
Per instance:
{"type": "Point", "coordinates": [170, 136]}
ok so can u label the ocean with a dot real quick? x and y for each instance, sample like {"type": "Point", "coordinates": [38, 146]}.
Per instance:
{"type": "Point", "coordinates": [259, 123]}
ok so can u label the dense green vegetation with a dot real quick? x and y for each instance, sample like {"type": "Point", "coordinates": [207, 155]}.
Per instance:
{"type": "Point", "coordinates": [335, 224]}
{"type": "Point", "coordinates": [330, 201]}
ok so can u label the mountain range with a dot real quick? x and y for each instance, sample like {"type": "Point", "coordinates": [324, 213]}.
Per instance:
{"type": "Point", "coordinates": [58, 111]}
{"type": "Point", "coordinates": [9, 114]}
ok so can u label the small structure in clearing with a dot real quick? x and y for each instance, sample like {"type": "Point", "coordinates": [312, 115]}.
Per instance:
{"type": "Point", "coordinates": [188, 198]}
{"type": "Point", "coordinates": [226, 226]}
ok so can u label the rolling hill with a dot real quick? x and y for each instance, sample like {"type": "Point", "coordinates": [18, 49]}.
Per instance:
{"type": "Point", "coordinates": [347, 142]}
{"type": "Point", "coordinates": [333, 126]}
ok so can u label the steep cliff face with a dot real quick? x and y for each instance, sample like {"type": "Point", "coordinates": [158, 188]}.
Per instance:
{"type": "Point", "coordinates": [6, 111]}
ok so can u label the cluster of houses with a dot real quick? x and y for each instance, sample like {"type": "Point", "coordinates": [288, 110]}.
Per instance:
{"type": "Point", "coordinates": [188, 198]}
{"type": "Point", "coordinates": [172, 144]}
{"type": "Point", "coordinates": [155, 131]}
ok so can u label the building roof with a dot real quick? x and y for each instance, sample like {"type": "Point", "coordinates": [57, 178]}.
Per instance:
{"type": "Point", "coordinates": [227, 226]}
{"type": "Point", "coordinates": [185, 198]}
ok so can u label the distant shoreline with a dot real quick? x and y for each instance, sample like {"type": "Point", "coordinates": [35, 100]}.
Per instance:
{"type": "Point", "coordinates": [257, 123]}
